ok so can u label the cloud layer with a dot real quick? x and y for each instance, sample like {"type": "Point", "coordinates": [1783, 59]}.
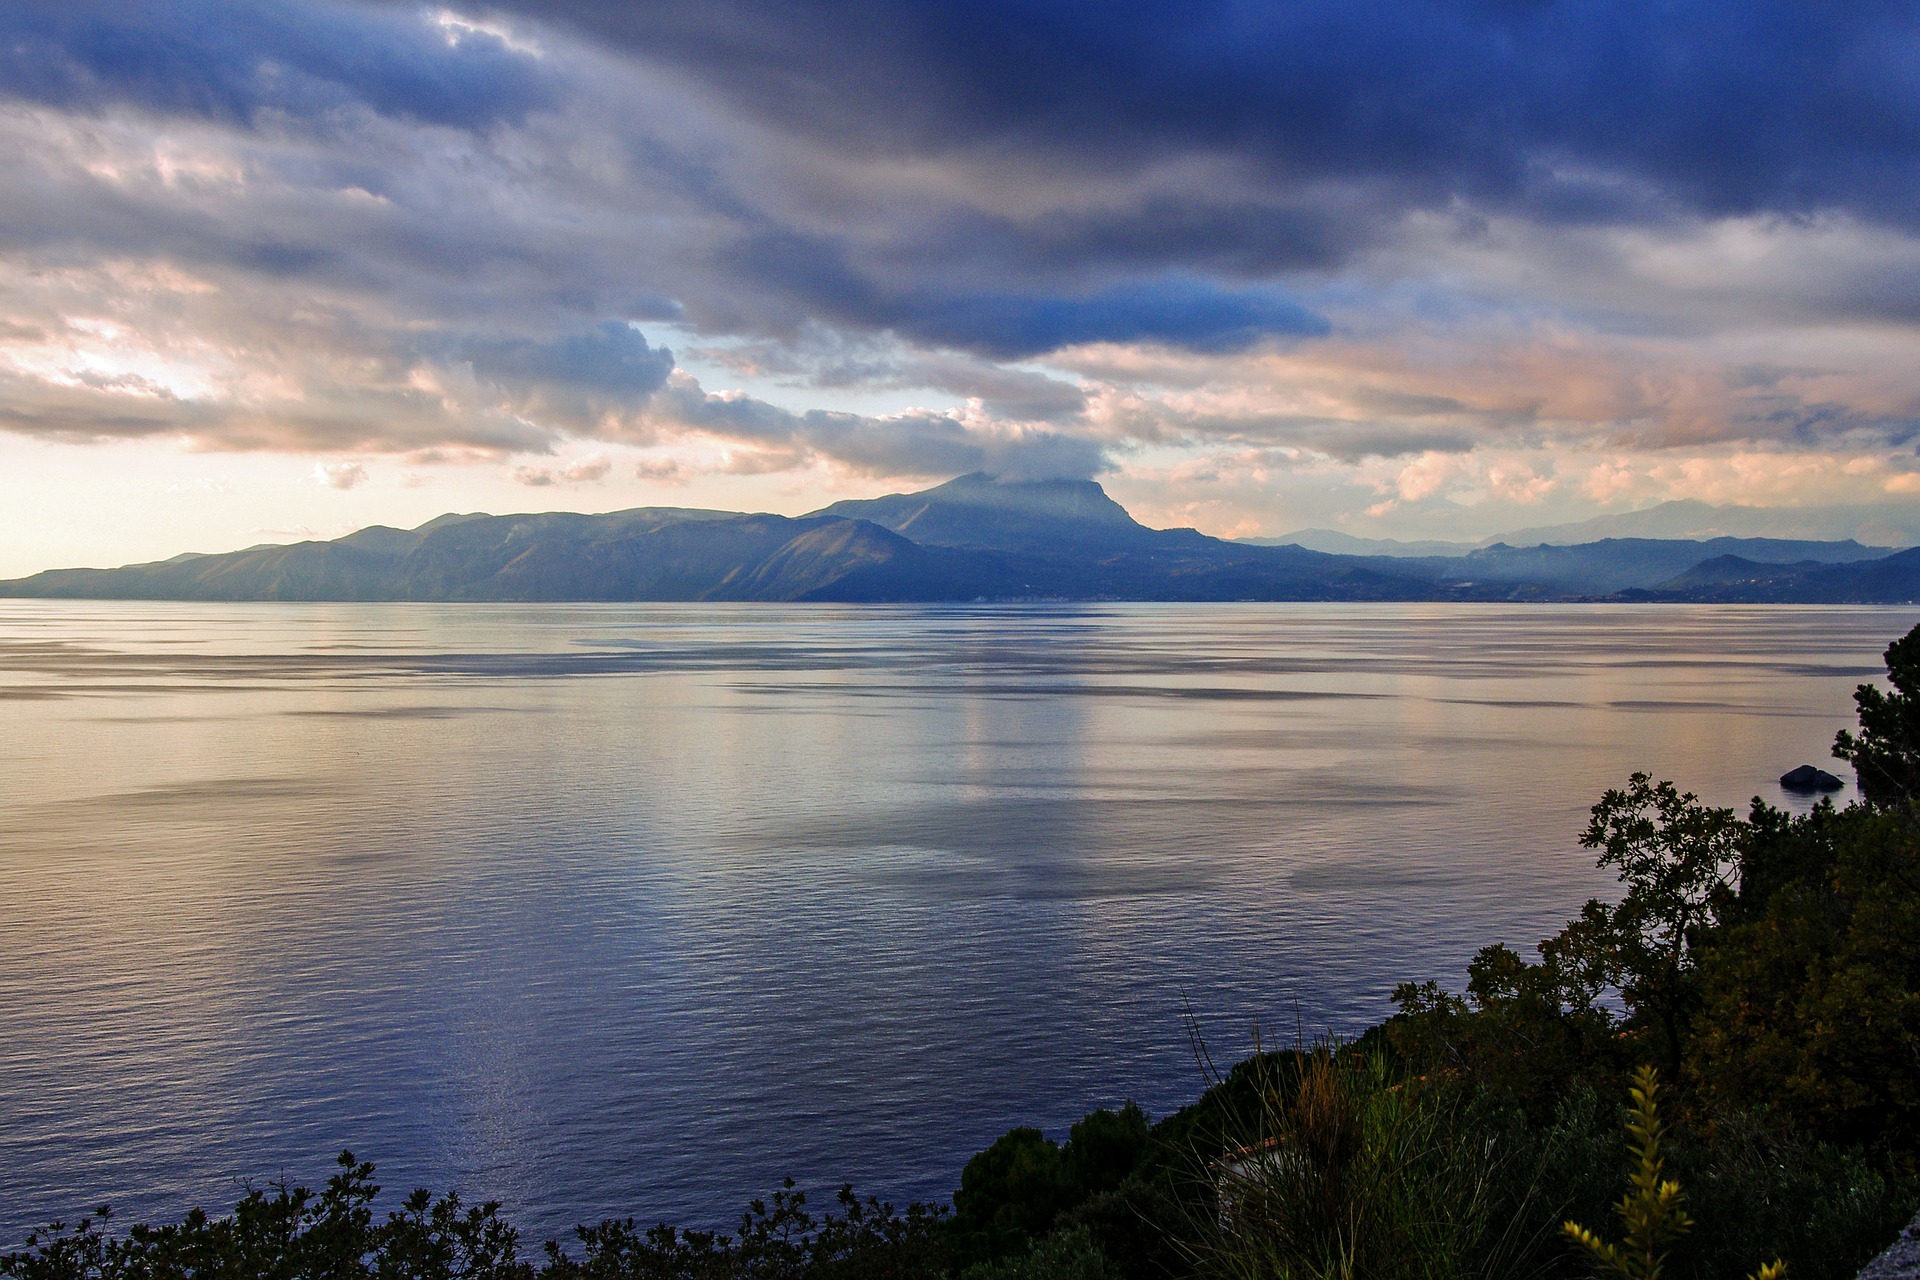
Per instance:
{"type": "Point", "coordinates": [1262, 265]}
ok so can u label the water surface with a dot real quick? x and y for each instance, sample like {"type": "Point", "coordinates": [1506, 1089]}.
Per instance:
{"type": "Point", "coordinates": [635, 909]}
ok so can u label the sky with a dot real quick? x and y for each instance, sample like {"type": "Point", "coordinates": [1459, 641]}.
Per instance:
{"type": "Point", "coordinates": [278, 269]}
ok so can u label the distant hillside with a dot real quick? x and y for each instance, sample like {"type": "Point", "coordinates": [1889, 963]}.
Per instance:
{"type": "Point", "coordinates": [1893, 579]}
{"type": "Point", "coordinates": [1334, 542]}
{"type": "Point", "coordinates": [975, 538]}
{"type": "Point", "coordinates": [645, 554]}
{"type": "Point", "coordinates": [1618, 564]}
{"type": "Point", "coordinates": [1888, 525]}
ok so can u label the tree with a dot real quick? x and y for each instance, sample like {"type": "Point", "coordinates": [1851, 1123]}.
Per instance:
{"type": "Point", "coordinates": [1677, 860]}
{"type": "Point", "coordinates": [1104, 1147]}
{"type": "Point", "coordinates": [1009, 1194]}
{"type": "Point", "coordinates": [1886, 754]}
{"type": "Point", "coordinates": [1810, 1001]}
{"type": "Point", "coordinates": [1534, 1027]}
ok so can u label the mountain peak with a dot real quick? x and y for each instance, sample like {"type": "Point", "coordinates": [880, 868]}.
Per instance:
{"type": "Point", "coordinates": [982, 511]}
{"type": "Point", "coordinates": [1067, 499]}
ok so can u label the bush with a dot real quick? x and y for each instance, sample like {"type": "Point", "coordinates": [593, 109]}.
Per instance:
{"type": "Point", "coordinates": [1068, 1254]}
{"type": "Point", "coordinates": [296, 1234]}
{"type": "Point", "coordinates": [1353, 1173]}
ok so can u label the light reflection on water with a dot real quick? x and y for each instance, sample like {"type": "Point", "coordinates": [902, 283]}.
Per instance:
{"type": "Point", "coordinates": [635, 909]}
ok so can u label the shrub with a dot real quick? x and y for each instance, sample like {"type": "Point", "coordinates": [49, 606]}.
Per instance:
{"type": "Point", "coordinates": [1352, 1173]}
{"type": "Point", "coordinates": [1652, 1212]}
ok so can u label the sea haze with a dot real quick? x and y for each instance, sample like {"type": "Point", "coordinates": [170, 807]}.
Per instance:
{"type": "Point", "coordinates": [635, 909]}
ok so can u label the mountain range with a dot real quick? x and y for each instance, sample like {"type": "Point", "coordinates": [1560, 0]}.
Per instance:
{"type": "Point", "coordinates": [1884, 525]}
{"type": "Point", "coordinates": [974, 538]}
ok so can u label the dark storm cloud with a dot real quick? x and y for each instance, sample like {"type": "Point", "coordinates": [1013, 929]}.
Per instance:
{"type": "Point", "coordinates": [233, 60]}
{"type": "Point", "coordinates": [613, 358]}
{"type": "Point", "coordinates": [1214, 231]}
{"type": "Point", "coordinates": [1571, 110]}
{"type": "Point", "coordinates": [1186, 314]}
{"type": "Point", "coordinates": [1192, 314]}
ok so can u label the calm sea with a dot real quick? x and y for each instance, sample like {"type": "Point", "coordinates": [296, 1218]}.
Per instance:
{"type": "Point", "coordinates": [635, 909]}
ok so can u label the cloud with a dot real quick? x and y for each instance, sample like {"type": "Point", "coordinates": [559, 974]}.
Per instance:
{"type": "Point", "coordinates": [132, 351]}
{"type": "Point", "coordinates": [340, 475]}
{"type": "Point", "coordinates": [1020, 395]}
{"type": "Point", "coordinates": [916, 239]}
{"type": "Point", "coordinates": [1572, 111]}
{"type": "Point", "coordinates": [823, 360]}
{"type": "Point", "coordinates": [662, 471]}
{"type": "Point", "coordinates": [1187, 313]}
{"type": "Point", "coordinates": [577, 382]}
{"type": "Point", "coordinates": [237, 60]}
{"type": "Point", "coordinates": [915, 443]}
{"type": "Point", "coordinates": [585, 471]}
{"type": "Point", "coordinates": [613, 358]}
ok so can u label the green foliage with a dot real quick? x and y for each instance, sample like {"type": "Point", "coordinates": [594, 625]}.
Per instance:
{"type": "Point", "coordinates": [1065, 1255]}
{"type": "Point", "coordinates": [1012, 1193]}
{"type": "Point", "coordinates": [1141, 1227]}
{"type": "Point", "coordinates": [1524, 1031]}
{"type": "Point", "coordinates": [1767, 963]}
{"type": "Point", "coordinates": [1103, 1149]}
{"type": "Point", "coordinates": [291, 1233]}
{"type": "Point", "coordinates": [1810, 1001]}
{"type": "Point", "coordinates": [1353, 1173]}
{"type": "Point", "coordinates": [1757, 1191]}
{"type": "Point", "coordinates": [1651, 1212]}
{"type": "Point", "coordinates": [1779, 977]}
{"type": "Point", "coordinates": [1885, 755]}
{"type": "Point", "coordinates": [1009, 1194]}
{"type": "Point", "coordinates": [1676, 859]}
{"type": "Point", "coordinates": [779, 1239]}
{"type": "Point", "coordinates": [1532, 1030]}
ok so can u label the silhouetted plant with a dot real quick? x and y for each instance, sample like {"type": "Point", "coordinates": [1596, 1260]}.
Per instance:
{"type": "Point", "coordinates": [779, 1239]}
{"type": "Point", "coordinates": [1885, 754]}
{"type": "Point", "coordinates": [297, 1234]}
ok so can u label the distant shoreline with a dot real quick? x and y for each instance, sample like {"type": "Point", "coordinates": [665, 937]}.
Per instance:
{"type": "Point", "coordinates": [974, 540]}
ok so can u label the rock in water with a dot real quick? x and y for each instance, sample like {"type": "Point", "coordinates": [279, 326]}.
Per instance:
{"type": "Point", "coordinates": [1809, 779]}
